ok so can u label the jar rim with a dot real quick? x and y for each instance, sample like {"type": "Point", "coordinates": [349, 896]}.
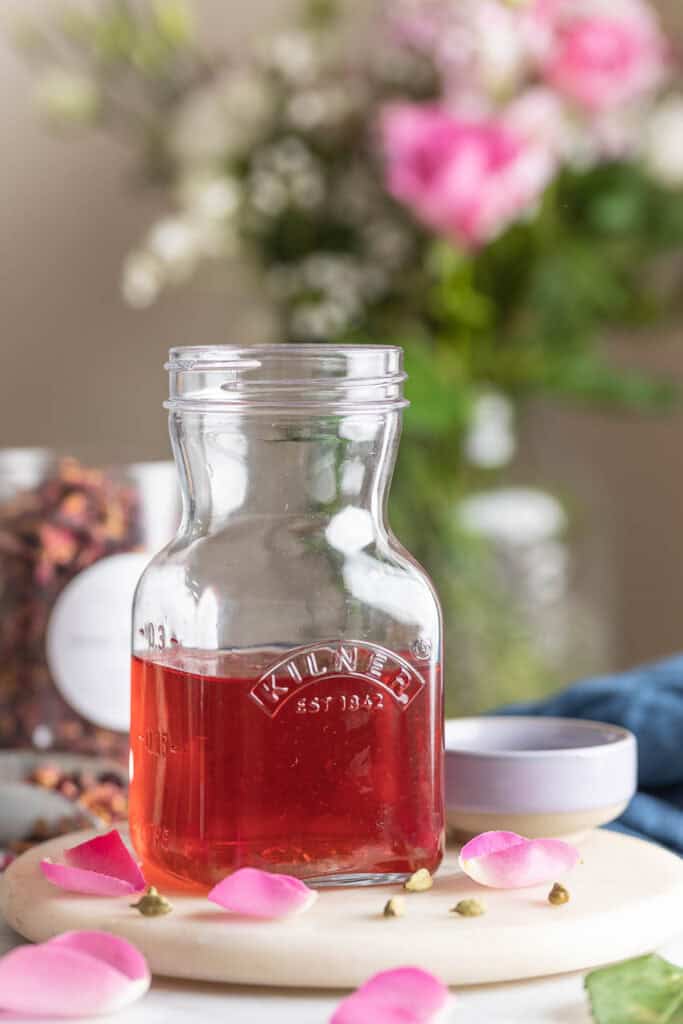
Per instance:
{"type": "Point", "coordinates": [286, 377]}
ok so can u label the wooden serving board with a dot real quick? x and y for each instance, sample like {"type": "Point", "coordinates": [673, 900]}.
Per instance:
{"type": "Point", "coordinates": [626, 899]}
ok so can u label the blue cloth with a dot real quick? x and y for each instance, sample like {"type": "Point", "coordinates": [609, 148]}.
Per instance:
{"type": "Point", "coordinates": [649, 702]}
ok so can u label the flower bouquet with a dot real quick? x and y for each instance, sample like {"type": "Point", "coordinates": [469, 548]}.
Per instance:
{"type": "Point", "coordinates": [492, 184]}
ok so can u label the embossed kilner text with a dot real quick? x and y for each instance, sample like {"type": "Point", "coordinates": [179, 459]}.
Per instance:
{"type": "Point", "coordinates": [326, 661]}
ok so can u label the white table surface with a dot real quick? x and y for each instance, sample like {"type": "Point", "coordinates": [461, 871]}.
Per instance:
{"type": "Point", "coordinates": [557, 1000]}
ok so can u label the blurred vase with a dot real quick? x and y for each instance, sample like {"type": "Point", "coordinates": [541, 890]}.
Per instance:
{"type": "Point", "coordinates": [527, 623]}
{"type": "Point", "coordinates": [74, 539]}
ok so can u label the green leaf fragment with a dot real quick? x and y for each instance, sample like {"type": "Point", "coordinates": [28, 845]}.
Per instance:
{"type": "Point", "coordinates": [174, 19]}
{"type": "Point", "coordinates": [646, 990]}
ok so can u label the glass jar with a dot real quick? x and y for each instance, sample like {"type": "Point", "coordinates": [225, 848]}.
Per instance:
{"type": "Point", "coordinates": [534, 598]}
{"type": "Point", "coordinates": [74, 537]}
{"type": "Point", "coordinates": [286, 680]}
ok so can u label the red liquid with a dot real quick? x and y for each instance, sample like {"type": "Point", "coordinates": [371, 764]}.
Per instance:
{"type": "Point", "coordinates": [323, 776]}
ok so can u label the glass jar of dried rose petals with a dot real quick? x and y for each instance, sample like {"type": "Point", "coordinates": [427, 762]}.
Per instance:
{"type": "Point", "coordinates": [73, 541]}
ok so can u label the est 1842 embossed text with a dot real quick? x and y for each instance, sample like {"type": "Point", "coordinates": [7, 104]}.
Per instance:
{"type": "Point", "coordinates": [307, 666]}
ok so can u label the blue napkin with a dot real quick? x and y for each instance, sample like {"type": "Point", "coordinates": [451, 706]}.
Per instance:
{"type": "Point", "coordinates": [649, 702]}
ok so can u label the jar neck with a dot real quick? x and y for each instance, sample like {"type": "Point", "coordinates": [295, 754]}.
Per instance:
{"type": "Point", "coordinates": [235, 465]}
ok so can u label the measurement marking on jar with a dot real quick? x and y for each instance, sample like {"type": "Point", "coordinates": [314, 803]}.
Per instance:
{"type": "Point", "coordinates": [158, 835]}
{"type": "Point", "coordinates": [340, 702]}
{"type": "Point", "coordinates": [422, 648]}
{"type": "Point", "coordinates": [158, 743]}
{"type": "Point", "coordinates": [156, 636]}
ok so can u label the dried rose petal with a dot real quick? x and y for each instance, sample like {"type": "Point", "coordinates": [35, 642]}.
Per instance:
{"type": "Point", "coordinates": [504, 860]}
{"type": "Point", "coordinates": [59, 545]}
{"type": "Point", "coordinates": [262, 894]}
{"type": "Point", "coordinates": [77, 974]}
{"type": "Point", "coordinates": [100, 867]}
{"type": "Point", "coordinates": [407, 995]}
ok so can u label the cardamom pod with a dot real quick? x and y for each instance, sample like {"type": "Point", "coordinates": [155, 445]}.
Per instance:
{"type": "Point", "coordinates": [558, 895]}
{"type": "Point", "coordinates": [395, 907]}
{"type": "Point", "coordinates": [152, 904]}
{"type": "Point", "coordinates": [419, 881]}
{"type": "Point", "coordinates": [469, 908]}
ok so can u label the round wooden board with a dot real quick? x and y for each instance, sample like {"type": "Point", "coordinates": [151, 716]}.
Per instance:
{"type": "Point", "coordinates": [626, 899]}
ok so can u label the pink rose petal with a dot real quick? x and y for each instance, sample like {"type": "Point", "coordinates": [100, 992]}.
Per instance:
{"type": "Point", "coordinates": [489, 842]}
{"type": "Point", "coordinates": [77, 974]}
{"type": "Point", "coordinates": [406, 995]}
{"type": "Point", "coordinates": [257, 893]}
{"type": "Point", "coordinates": [467, 178]}
{"type": "Point", "coordinates": [606, 59]}
{"type": "Point", "coordinates": [100, 867]}
{"type": "Point", "coordinates": [504, 860]}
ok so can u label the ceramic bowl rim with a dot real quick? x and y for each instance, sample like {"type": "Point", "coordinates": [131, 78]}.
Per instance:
{"type": "Point", "coordinates": [623, 739]}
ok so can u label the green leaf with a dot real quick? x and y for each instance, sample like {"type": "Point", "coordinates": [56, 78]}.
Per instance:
{"type": "Point", "coordinates": [454, 299]}
{"type": "Point", "coordinates": [646, 990]}
{"type": "Point", "coordinates": [438, 393]}
{"type": "Point", "coordinates": [27, 36]}
{"type": "Point", "coordinates": [175, 21]}
{"type": "Point", "coordinates": [589, 378]}
{"type": "Point", "coordinates": [321, 13]}
{"type": "Point", "coordinates": [77, 26]}
{"type": "Point", "coordinates": [114, 35]}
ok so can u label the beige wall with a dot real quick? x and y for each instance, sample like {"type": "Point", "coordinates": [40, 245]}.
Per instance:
{"type": "Point", "coordinates": [76, 365]}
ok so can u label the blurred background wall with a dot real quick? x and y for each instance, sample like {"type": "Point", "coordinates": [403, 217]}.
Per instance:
{"type": "Point", "coordinates": [79, 369]}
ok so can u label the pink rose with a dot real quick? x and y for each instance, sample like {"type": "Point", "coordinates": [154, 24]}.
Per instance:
{"type": "Point", "coordinates": [604, 59]}
{"type": "Point", "coordinates": [467, 179]}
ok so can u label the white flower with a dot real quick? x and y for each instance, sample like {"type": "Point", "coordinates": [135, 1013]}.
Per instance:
{"type": "Point", "coordinates": [539, 114]}
{"type": "Point", "coordinates": [294, 56]}
{"type": "Point", "coordinates": [175, 242]}
{"type": "Point", "coordinates": [67, 96]}
{"type": "Point", "coordinates": [663, 148]}
{"type": "Point", "coordinates": [308, 109]}
{"type": "Point", "coordinates": [202, 130]}
{"type": "Point", "coordinates": [288, 157]}
{"type": "Point", "coordinates": [210, 197]}
{"type": "Point", "coordinates": [321, 107]}
{"type": "Point", "coordinates": [479, 46]}
{"type": "Point", "coordinates": [143, 279]}
{"type": "Point", "coordinates": [617, 134]}
{"type": "Point", "coordinates": [227, 117]}
{"type": "Point", "coordinates": [318, 321]}
{"type": "Point", "coordinates": [247, 94]}
{"type": "Point", "coordinates": [490, 441]}
{"type": "Point", "coordinates": [172, 252]}
{"type": "Point", "coordinates": [268, 194]}
{"type": "Point", "coordinates": [209, 204]}
{"type": "Point", "coordinates": [501, 55]}
{"type": "Point", "coordinates": [180, 243]}
{"type": "Point", "coordinates": [285, 173]}
{"type": "Point", "coordinates": [307, 190]}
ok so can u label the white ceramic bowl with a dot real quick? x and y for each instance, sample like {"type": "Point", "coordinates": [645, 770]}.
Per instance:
{"type": "Point", "coordinates": [23, 805]}
{"type": "Point", "coordinates": [536, 776]}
